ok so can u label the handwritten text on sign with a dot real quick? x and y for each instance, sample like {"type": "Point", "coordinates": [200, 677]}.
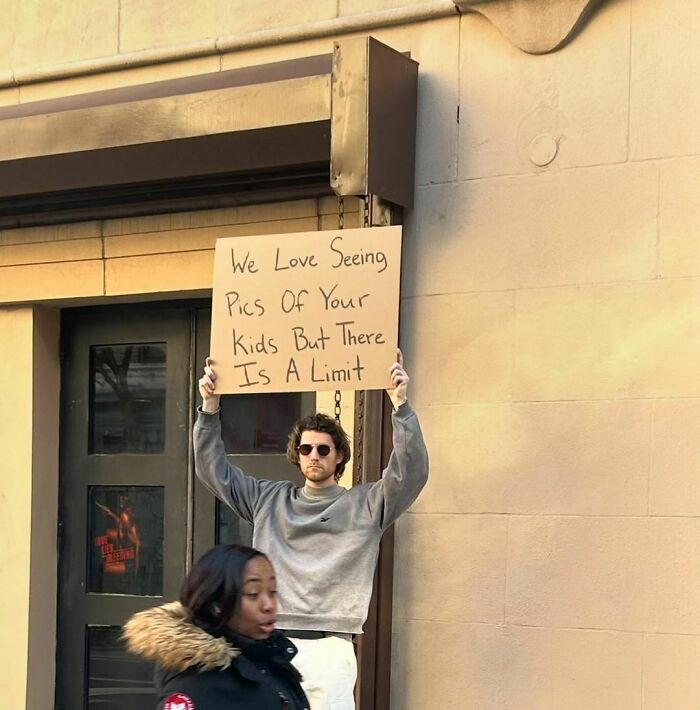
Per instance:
{"type": "Point", "coordinates": [306, 311]}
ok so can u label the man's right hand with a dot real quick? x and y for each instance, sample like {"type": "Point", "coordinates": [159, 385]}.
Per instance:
{"type": "Point", "coordinates": [207, 385]}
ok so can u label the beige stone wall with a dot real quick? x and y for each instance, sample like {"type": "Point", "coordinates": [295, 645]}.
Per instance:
{"type": "Point", "coordinates": [15, 504]}
{"type": "Point", "coordinates": [550, 320]}
{"type": "Point", "coordinates": [552, 323]}
{"type": "Point", "coordinates": [29, 388]}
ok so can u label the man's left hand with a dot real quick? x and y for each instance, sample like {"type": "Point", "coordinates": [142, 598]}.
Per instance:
{"type": "Point", "coordinates": [398, 392]}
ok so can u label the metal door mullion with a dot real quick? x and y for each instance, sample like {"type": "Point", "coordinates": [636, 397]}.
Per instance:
{"type": "Point", "coordinates": [108, 477]}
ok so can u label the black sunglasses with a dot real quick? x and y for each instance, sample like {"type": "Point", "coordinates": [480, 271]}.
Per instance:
{"type": "Point", "coordinates": [321, 449]}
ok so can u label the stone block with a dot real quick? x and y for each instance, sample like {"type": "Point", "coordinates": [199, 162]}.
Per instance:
{"type": "Point", "coordinates": [456, 559]}
{"type": "Point", "coordinates": [16, 438]}
{"type": "Point", "coordinates": [29, 433]}
{"type": "Point", "coordinates": [580, 572]}
{"type": "Point", "coordinates": [9, 96]}
{"type": "Point", "coordinates": [576, 98]}
{"type": "Point", "coordinates": [671, 678]}
{"type": "Point", "coordinates": [472, 461]}
{"type": "Point", "coordinates": [45, 252]}
{"type": "Point", "coordinates": [675, 458]}
{"type": "Point", "coordinates": [50, 233]}
{"type": "Point", "coordinates": [149, 25]}
{"type": "Point", "coordinates": [160, 273]}
{"type": "Point", "coordinates": [449, 666]}
{"type": "Point", "coordinates": [582, 226]}
{"type": "Point", "coordinates": [529, 231]}
{"type": "Point", "coordinates": [452, 666]}
{"type": "Point", "coordinates": [665, 79]}
{"type": "Point", "coordinates": [45, 282]}
{"type": "Point", "coordinates": [462, 347]}
{"type": "Point", "coordinates": [676, 576]}
{"type": "Point", "coordinates": [455, 241]}
{"type": "Point", "coordinates": [572, 669]}
{"type": "Point", "coordinates": [579, 458]}
{"type": "Point", "coordinates": [607, 341]}
{"type": "Point", "coordinates": [7, 36]}
{"type": "Point", "coordinates": [567, 458]}
{"type": "Point", "coordinates": [627, 574]}
{"type": "Point", "coordinates": [679, 218]}
{"type": "Point", "coordinates": [246, 16]}
{"type": "Point", "coordinates": [62, 32]}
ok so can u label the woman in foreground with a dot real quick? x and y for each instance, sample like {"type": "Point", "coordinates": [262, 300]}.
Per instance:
{"type": "Point", "coordinates": [217, 648]}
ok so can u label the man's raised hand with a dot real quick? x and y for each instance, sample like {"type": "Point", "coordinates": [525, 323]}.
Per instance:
{"type": "Point", "coordinates": [207, 385]}
{"type": "Point", "coordinates": [398, 392]}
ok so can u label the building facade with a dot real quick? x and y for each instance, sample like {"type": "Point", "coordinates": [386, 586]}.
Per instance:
{"type": "Point", "coordinates": [550, 319]}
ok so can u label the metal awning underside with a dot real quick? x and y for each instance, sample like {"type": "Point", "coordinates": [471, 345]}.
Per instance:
{"type": "Point", "coordinates": [342, 122]}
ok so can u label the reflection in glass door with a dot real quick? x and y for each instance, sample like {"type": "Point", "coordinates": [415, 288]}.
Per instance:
{"type": "Point", "coordinates": [127, 398]}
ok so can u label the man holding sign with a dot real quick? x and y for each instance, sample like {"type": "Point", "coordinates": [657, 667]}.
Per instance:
{"type": "Point", "coordinates": [322, 538]}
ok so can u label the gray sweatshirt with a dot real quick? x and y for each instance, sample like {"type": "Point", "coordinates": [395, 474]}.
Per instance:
{"type": "Point", "coordinates": [323, 543]}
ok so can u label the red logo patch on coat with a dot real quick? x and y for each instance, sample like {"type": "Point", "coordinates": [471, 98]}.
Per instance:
{"type": "Point", "coordinates": [178, 701]}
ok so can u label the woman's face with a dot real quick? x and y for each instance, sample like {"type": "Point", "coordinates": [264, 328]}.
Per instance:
{"type": "Point", "coordinates": [257, 612]}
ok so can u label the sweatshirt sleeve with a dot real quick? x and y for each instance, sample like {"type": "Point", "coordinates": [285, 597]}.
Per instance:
{"type": "Point", "coordinates": [407, 472]}
{"type": "Point", "coordinates": [226, 481]}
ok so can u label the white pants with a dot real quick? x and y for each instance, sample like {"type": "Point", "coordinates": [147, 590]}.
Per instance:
{"type": "Point", "coordinates": [329, 670]}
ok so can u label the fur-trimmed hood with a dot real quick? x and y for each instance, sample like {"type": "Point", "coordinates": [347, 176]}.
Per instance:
{"type": "Point", "coordinates": [166, 635]}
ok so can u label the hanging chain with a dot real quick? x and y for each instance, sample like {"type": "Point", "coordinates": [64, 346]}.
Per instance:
{"type": "Point", "coordinates": [341, 225]}
{"type": "Point", "coordinates": [341, 213]}
{"type": "Point", "coordinates": [337, 405]}
{"type": "Point", "coordinates": [367, 212]}
{"type": "Point", "coordinates": [360, 394]}
{"type": "Point", "coordinates": [359, 437]}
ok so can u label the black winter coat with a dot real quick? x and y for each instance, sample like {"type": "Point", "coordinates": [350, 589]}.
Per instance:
{"type": "Point", "coordinates": [198, 671]}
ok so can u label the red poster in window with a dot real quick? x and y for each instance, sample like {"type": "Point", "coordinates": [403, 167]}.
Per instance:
{"type": "Point", "coordinates": [126, 535]}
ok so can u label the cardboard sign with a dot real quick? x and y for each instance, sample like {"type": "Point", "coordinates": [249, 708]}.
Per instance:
{"type": "Point", "coordinates": [306, 311]}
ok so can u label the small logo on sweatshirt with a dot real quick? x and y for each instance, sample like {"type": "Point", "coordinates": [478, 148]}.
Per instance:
{"type": "Point", "coordinates": [178, 701]}
{"type": "Point", "coordinates": [325, 520]}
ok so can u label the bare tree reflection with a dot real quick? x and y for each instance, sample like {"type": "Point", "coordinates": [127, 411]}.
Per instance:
{"type": "Point", "coordinates": [115, 375]}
